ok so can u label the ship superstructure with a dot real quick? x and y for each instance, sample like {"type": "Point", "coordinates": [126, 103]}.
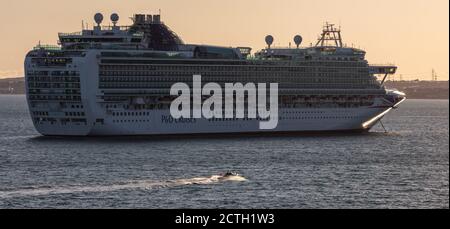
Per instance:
{"type": "Point", "coordinates": [115, 80]}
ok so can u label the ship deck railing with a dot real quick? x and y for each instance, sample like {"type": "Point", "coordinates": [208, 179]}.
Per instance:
{"type": "Point", "coordinates": [382, 65]}
{"type": "Point", "coordinates": [47, 47]}
{"type": "Point", "coordinates": [70, 34]}
{"type": "Point", "coordinates": [103, 28]}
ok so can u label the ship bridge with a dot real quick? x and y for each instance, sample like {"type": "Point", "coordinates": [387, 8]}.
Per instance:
{"type": "Point", "coordinates": [146, 32]}
{"type": "Point", "coordinates": [383, 70]}
{"type": "Point", "coordinates": [111, 35]}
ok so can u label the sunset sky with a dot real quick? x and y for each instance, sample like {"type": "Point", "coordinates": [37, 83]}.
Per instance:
{"type": "Point", "coordinates": [413, 34]}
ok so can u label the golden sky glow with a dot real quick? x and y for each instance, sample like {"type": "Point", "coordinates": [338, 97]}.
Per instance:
{"type": "Point", "coordinates": [413, 34]}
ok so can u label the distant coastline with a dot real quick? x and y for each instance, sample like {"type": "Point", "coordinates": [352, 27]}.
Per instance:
{"type": "Point", "coordinates": [421, 89]}
{"type": "Point", "coordinates": [414, 89]}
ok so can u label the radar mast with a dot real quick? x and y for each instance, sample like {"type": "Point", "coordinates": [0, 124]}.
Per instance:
{"type": "Point", "coordinates": [330, 34]}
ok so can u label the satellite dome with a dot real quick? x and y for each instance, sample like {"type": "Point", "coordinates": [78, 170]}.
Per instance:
{"type": "Point", "coordinates": [269, 40]}
{"type": "Point", "coordinates": [298, 40]}
{"type": "Point", "coordinates": [98, 18]}
{"type": "Point", "coordinates": [114, 18]}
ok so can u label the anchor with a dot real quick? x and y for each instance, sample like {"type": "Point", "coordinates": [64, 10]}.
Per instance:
{"type": "Point", "coordinates": [385, 131]}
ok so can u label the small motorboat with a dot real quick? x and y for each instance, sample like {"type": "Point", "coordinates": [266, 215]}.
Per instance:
{"type": "Point", "coordinates": [229, 174]}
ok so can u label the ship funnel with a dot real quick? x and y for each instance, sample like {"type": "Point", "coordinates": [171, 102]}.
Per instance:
{"type": "Point", "coordinates": [139, 18]}
{"type": "Point", "coordinates": [157, 19]}
{"type": "Point", "coordinates": [149, 18]}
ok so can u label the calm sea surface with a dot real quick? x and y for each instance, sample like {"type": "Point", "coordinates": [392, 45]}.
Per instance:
{"type": "Point", "coordinates": [405, 168]}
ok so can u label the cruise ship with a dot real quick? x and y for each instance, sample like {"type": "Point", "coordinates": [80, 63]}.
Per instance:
{"type": "Point", "coordinates": [116, 80]}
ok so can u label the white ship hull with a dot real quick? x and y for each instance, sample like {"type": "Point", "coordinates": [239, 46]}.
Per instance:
{"type": "Point", "coordinates": [160, 123]}
{"type": "Point", "coordinates": [92, 88]}
{"type": "Point", "coordinates": [98, 120]}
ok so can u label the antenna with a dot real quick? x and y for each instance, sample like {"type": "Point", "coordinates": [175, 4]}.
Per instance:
{"type": "Point", "coordinates": [434, 76]}
{"type": "Point", "coordinates": [329, 33]}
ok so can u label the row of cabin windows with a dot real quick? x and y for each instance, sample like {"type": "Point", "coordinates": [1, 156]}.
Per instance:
{"type": "Point", "coordinates": [303, 112]}
{"type": "Point", "coordinates": [316, 117]}
{"type": "Point", "coordinates": [76, 106]}
{"type": "Point", "coordinates": [130, 113]}
{"type": "Point", "coordinates": [235, 119]}
{"type": "Point", "coordinates": [236, 73]}
{"type": "Point", "coordinates": [53, 79]}
{"type": "Point", "coordinates": [161, 82]}
{"type": "Point", "coordinates": [74, 113]}
{"type": "Point", "coordinates": [339, 58]}
{"type": "Point", "coordinates": [52, 73]}
{"type": "Point", "coordinates": [45, 113]}
{"type": "Point", "coordinates": [184, 69]}
{"type": "Point", "coordinates": [40, 113]}
{"type": "Point", "coordinates": [225, 71]}
{"type": "Point", "coordinates": [282, 105]}
{"type": "Point", "coordinates": [302, 86]}
{"type": "Point", "coordinates": [53, 91]}
{"type": "Point", "coordinates": [280, 66]}
{"type": "Point", "coordinates": [54, 85]}
{"type": "Point", "coordinates": [53, 97]}
{"type": "Point", "coordinates": [170, 76]}
{"type": "Point", "coordinates": [131, 120]}
{"type": "Point", "coordinates": [54, 121]}
{"type": "Point", "coordinates": [281, 118]}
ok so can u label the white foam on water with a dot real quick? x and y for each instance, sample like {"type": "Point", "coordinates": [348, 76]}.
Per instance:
{"type": "Point", "coordinates": [234, 178]}
{"type": "Point", "coordinates": [132, 185]}
{"type": "Point", "coordinates": [16, 137]}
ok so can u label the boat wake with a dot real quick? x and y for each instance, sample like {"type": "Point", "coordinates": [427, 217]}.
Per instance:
{"type": "Point", "coordinates": [16, 137]}
{"type": "Point", "coordinates": [132, 185]}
